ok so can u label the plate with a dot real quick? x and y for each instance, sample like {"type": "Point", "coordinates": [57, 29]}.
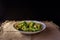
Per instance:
{"type": "Point", "coordinates": [43, 27]}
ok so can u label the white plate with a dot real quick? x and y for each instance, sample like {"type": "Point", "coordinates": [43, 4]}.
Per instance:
{"type": "Point", "coordinates": [43, 27]}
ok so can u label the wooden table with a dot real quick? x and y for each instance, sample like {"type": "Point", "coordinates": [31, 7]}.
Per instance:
{"type": "Point", "coordinates": [9, 33]}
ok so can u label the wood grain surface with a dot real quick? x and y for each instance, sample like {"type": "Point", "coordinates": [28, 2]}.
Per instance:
{"type": "Point", "coordinates": [9, 33]}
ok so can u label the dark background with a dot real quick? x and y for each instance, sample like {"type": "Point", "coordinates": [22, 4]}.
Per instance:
{"type": "Point", "coordinates": [16, 10]}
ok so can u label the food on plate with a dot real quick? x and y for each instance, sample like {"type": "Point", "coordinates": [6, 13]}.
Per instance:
{"type": "Point", "coordinates": [28, 26]}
